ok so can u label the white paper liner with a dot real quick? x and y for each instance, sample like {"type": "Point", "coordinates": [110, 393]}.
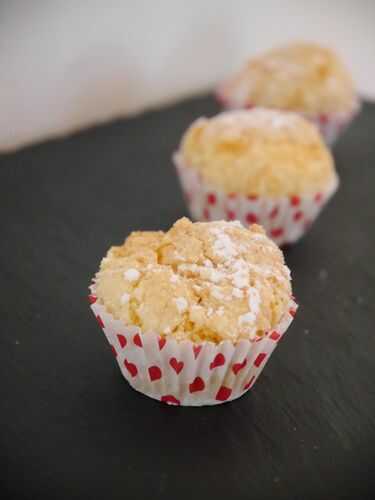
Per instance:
{"type": "Point", "coordinates": [185, 373]}
{"type": "Point", "coordinates": [330, 125]}
{"type": "Point", "coordinates": [285, 219]}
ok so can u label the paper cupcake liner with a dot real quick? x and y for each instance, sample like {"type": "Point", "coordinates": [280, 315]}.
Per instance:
{"type": "Point", "coordinates": [330, 125]}
{"type": "Point", "coordinates": [285, 219]}
{"type": "Point", "coordinates": [187, 373]}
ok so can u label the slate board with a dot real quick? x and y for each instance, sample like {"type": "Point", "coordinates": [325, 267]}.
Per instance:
{"type": "Point", "coordinates": [70, 427]}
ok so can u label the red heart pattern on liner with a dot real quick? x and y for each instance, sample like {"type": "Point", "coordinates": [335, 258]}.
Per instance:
{"type": "Point", "coordinates": [275, 336]}
{"type": "Point", "coordinates": [274, 212]}
{"type": "Point", "coordinates": [100, 321]}
{"type": "Point", "coordinates": [122, 340]}
{"type": "Point", "coordinates": [295, 201]}
{"type": "Point", "coordinates": [162, 341]}
{"type": "Point", "coordinates": [223, 393]}
{"type": "Point", "coordinates": [132, 369]}
{"type": "Point", "coordinates": [92, 299]}
{"type": "Point", "coordinates": [277, 232]}
{"type": "Point", "coordinates": [249, 383]}
{"type": "Point", "coordinates": [197, 349]}
{"type": "Point", "coordinates": [298, 215]}
{"type": "Point", "coordinates": [155, 373]}
{"type": "Point", "coordinates": [197, 385]}
{"type": "Point", "coordinates": [219, 360]}
{"type": "Point", "coordinates": [170, 400]}
{"type": "Point", "coordinates": [137, 340]}
{"type": "Point", "coordinates": [284, 218]}
{"type": "Point", "coordinates": [175, 374]}
{"type": "Point", "coordinates": [238, 366]}
{"type": "Point", "coordinates": [211, 199]}
{"type": "Point", "coordinates": [260, 358]}
{"type": "Point", "coordinates": [176, 365]}
{"type": "Point", "coordinates": [251, 218]}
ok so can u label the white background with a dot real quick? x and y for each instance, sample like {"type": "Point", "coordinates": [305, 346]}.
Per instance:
{"type": "Point", "coordinates": [67, 64]}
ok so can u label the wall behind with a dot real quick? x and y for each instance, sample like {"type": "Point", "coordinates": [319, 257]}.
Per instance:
{"type": "Point", "coordinates": [68, 64]}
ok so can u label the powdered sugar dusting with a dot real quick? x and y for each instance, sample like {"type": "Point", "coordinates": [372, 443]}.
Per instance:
{"type": "Point", "coordinates": [206, 273]}
{"type": "Point", "coordinates": [250, 317]}
{"type": "Point", "coordinates": [246, 319]}
{"type": "Point", "coordinates": [216, 293]}
{"type": "Point", "coordinates": [181, 304]}
{"type": "Point", "coordinates": [223, 245]}
{"type": "Point", "coordinates": [253, 300]}
{"type": "Point", "coordinates": [125, 298]}
{"type": "Point", "coordinates": [225, 288]}
{"type": "Point", "coordinates": [237, 293]}
{"type": "Point", "coordinates": [235, 223]}
{"type": "Point", "coordinates": [241, 273]}
{"type": "Point", "coordinates": [226, 273]}
{"type": "Point", "coordinates": [236, 122]}
{"type": "Point", "coordinates": [214, 276]}
{"type": "Point", "coordinates": [131, 274]}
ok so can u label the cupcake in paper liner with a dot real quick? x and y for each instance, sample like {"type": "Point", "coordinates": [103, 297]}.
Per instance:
{"type": "Point", "coordinates": [300, 77]}
{"type": "Point", "coordinates": [257, 166]}
{"type": "Point", "coordinates": [193, 314]}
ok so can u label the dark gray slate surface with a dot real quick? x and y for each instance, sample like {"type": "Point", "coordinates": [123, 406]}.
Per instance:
{"type": "Point", "coordinates": [70, 427]}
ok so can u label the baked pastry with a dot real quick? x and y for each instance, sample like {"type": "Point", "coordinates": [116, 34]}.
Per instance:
{"type": "Point", "coordinates": [301, 77]}
{"type": "Point", "coordinates": [256, 165]}
{"type": "Point", "coordinates": [192, 314]}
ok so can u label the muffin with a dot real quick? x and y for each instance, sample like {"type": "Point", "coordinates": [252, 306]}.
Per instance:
{"type": "Point", "coordinates": [302, 77]}
{"type": "Point", "coordinates": [258, 165]}
{"type": "Point", "coordinates": [193, 314]}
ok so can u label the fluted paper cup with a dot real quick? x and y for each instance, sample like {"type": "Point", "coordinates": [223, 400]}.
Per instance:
{"type": "Point", "coordinates": [285, 219]}
{"type": "Point", "coordinates": [330, 125]}
{"type": "Point", "coordinates": [187, 373]}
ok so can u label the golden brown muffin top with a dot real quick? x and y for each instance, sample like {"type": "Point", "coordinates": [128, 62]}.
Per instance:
{"type": "Point", "coordinates": [198, 281]}
{"type": "Point", "coordinates": [302, 77]}
{"type": "Point", "coordinates": [258, 152]}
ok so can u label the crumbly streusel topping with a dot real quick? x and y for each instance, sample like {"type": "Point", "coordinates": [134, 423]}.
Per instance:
{"type": "Point", "coordinates": [258, 152]}
{"type": "Point", "coordinates": [198, 281]}
{"type": "Point", "coordinates": [300, 77]}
